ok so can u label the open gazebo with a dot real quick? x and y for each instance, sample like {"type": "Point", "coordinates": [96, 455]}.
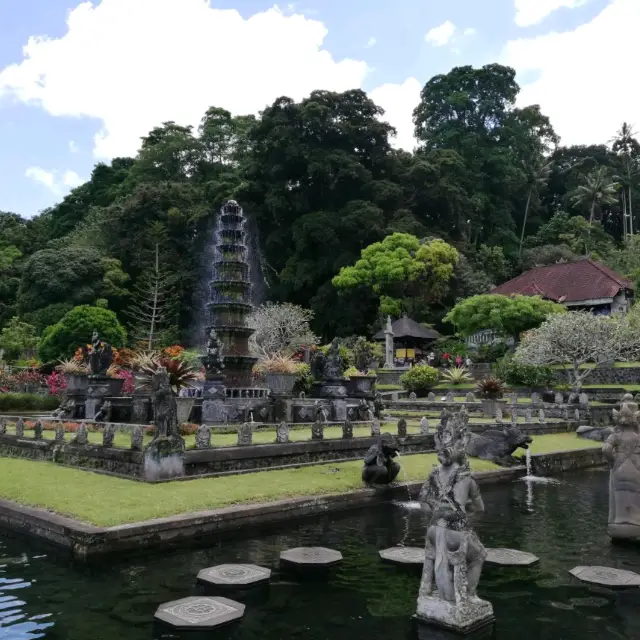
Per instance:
{"type": "Point", "coordinates": [410, 339]}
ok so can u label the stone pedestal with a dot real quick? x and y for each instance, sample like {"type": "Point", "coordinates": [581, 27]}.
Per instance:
{"type": "Point", "coordinates": [339, 410]}
{"type": "Point", "coordinates": [214, 412]}
{"type": "Point", "coordinates": [91, 407]}
{"type": "Point", "coordinates": [467, 616]}
{"type": "Point", "coordinates": [104, 386]}
{"type": "Point", "coordinates": [140, 411]}
{"type": "Point", "coordinates": [164, 458]}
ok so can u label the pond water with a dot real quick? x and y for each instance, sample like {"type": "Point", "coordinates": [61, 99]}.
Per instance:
{"type": "Point", "coordinates": [44, 595]}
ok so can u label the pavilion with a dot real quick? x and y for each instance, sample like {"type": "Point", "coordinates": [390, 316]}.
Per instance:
{"type": "Point", "coordinates": [410, 338]}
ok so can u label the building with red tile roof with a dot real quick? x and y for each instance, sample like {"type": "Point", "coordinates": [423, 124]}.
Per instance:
{"type": "Point", "coordinates": [584, 284]}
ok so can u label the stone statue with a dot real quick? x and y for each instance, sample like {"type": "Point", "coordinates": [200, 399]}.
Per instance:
{"type": "Point", "coordinates": [282, 433]}
{"type": "Point", "coordinates": [66, 409]}
{"type": "Point", "coordinates": [378, 405]}
{"type": "Point", "coordinates": [622, 452]}
{"type": "Point", "coordinates": [59, 436]}
{"type": "Point", "coordinates": [203, 437]}
{"type": "Point", "coordinates": [20, 428]}
{"type": "Point", "coordinates": [104, 413]}
{"type": "Point", "coordinates": [101, 356]}
{"type": "Point", "coordinates": [37, 430]}
{"type": "Point", "coordinates": [334, 365]}
{"type": "Point", "coordinates": [3, 426]}
{"type": "Point", "coordinates": [108, 435]}
{"type": "Point", "coordinates": [137, 438]}
{"type": "Point", "coordinates": [213, 360]}
{"type": "Point", "coordinates": [379, 464]}
{"type": "Point", "coordinates": [453, 553]}
{"type": "Point", "coordinates": [497, 445]}
{"type": "Point", "coordinates": [317, 365]}
{"type": "Point", "coordinates": [165, 409]}
{"type": "Point", "coordinates": [164, 455]}
{"type": "Point", "coordinates": [347, 430]}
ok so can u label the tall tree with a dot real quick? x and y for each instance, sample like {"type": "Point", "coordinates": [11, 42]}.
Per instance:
{"type": "Point", "coordinates": [627, 147]}
{"type": "Point", "coordinates": [537, 176]}
{"type": "Point", "coordinates": [597, 191]}
{"type": "Point", "coordinates": [152, 314]}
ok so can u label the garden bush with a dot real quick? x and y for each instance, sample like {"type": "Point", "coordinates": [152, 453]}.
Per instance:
{"type": "Point", "coordinates": [27, 402]}
{"type": "Point", "coordinates": [518, 374]}
{"type": "Point", "coordinates": [74, 330]}
{"type": "Point", "coordinates": [420, 379]}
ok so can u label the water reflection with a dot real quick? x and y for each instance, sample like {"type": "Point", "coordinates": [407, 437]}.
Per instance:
{"type": "Point", "coordinates": [44, 595]}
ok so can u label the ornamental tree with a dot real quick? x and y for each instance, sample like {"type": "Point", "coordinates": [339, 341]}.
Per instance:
{"type": "Point", "coordinates": [280, 329]}
{"type": "Point", "coordinates": [18, 339]}
{"type": "Point", "coordinates": [403, 271]}
{"type": "Point", "coordinates": [507, 315]}
{"type": "Point", "coordinates": [61, 339]}
{"type": "Point", "coordinates": [580, 338]}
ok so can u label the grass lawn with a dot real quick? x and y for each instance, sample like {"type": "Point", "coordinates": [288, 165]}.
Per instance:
{"type": "Point", "coordinates": [108, 501]}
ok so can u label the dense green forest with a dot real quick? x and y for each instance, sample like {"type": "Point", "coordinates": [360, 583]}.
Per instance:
{"type": "Point", "coordinates": [322, 182]}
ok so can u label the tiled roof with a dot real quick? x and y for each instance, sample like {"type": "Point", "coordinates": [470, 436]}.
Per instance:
{"type": "Point", "coordinates": [567, 282]}
{"type": "Point", "coordinates": [407, 328]}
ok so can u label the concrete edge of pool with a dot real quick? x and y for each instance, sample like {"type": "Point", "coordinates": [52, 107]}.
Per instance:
{"type": "Point", "coordinates": [85, 540]}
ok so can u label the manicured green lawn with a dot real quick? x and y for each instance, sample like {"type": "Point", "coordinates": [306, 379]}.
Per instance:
{"type": "Point", "coordinates": [559, 442]}
{"type": "Point", "coordinates": [107, 501]}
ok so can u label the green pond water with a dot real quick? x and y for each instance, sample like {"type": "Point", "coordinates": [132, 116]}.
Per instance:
{"type": "Point", "coordinates": [45, 595]}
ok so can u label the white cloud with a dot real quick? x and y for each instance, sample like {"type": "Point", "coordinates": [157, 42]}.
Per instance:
{"type": "Point", "coordinates": [73, 146]}
{"type": "Point", "coordinates": [469, 31]}
{"type": "Point", "coordinates": [371, 42]}
{"type": "Point", "coordinates": [399, 101]}
{"type": "Point", "coordinates": [50, 179]}
{"type": "Point", "coordinates": [531, 12]}
{"type": "Point", "coordinates": [442, 34]}
{"type": "Point", "coordinates": [41, 175]}
{"type": "Point", "coordinates": [586, 90]}
{"type": "Point", "coordinates": [133, 64]}
{"type": "Point", "coordinates": [71, 179]}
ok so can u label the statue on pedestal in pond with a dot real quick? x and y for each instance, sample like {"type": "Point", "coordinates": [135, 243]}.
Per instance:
{"type": "Point", "coordinates": [622, 452]}
{"type": "Point", "coordinates": [379, 464]}
{"type": "Point", "coordinates": [454, 554]}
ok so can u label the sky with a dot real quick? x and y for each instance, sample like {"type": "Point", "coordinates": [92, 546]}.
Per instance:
{"type": "Point", "coordinates": [82, 82]}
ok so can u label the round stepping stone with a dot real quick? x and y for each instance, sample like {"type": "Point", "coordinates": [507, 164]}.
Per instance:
{"type": "Point", "coordinates": [311, 557]}
{"type": "Point", "coordinates": [404, 555]}
{"type": "Point", "coordinates": [607, 577]}
{"type": "Point", "coordinates": [510, 558]}
{"type": "Point", "coordinates": [199, 612]}
{"type": "Point", "coordinates": [234, 575]}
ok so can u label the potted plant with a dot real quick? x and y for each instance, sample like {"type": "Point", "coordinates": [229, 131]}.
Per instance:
{"type": "Point", "coordinates": [490, 392]}
{"type": "Point", "coordinates": [359, 383]}
{"type": "Point", "coordinates": [420, 379]}
{"type": "Point", "coordinates": [115, 382]}
{"type": "Point", "coordinates": [76, 374]}
{"type": "Point", "coordinates": [142, 364]}
{"type": "Point", "coordinates": [281, 373]}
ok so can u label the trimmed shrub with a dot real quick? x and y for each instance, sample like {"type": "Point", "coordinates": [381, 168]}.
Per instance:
{"type": "Point", "coordinates": [518, 374]}
{"type": "Point", "coordinates": [420, 379]}
{"type": "Point", "coordinates": [27, 402]}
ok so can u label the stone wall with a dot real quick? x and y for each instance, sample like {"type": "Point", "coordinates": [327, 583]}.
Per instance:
{"type": "Point", "coordinates": [549, 464]}
{"type": "Point", "coordinates": [389, 376]}
{"type": "Point", "coordinates": [606, 375]}
{"type": "Point", "coordinates": [212, 461]}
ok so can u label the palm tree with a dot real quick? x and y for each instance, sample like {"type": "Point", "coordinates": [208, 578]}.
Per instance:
{"type": "Point", "coordinates": [625, 145]}
{"type": "Point", "coordinates": [537, 176]}
{"type": "Point", "coordinates": [597, 190]}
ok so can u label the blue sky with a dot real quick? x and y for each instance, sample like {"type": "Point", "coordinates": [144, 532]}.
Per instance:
{"type": "Point", "coordinates": [121, 66]}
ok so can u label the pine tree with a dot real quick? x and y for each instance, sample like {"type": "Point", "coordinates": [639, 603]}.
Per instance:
{"type": "Point", "coordinates": [152, 314]}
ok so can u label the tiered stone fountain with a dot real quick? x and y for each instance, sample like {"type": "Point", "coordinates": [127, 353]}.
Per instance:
{"type": "Point", "coordinates": [229, 392]}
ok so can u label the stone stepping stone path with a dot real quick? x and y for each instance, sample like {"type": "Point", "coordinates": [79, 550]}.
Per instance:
{"type": "Point", "coordinates": [404, 555]}
{"type": "Point", "coordinates": [607, 577]}
{"type": "Point", "coordinates": [510, 558]}
{"type": "Point", "coordinates": [198, 612]}
{"type": "Point", "coordinates": [310, 557]}
{"type": "Point", "coordinates": [234, 575]}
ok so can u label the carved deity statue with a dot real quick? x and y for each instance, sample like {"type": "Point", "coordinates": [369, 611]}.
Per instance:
{"type": "Point", "coordinates": [379, 464]}
{"type": "Point", "coordinates": [213, 360]}
{"type": "Point", "coordinates": [622, 452]}
{"type": "Point", "coordinates": [100, 357]}
{"type": "Point", "coordinates": [165, 409]}
{"type": "Point", "coordinates": [453, 553]}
